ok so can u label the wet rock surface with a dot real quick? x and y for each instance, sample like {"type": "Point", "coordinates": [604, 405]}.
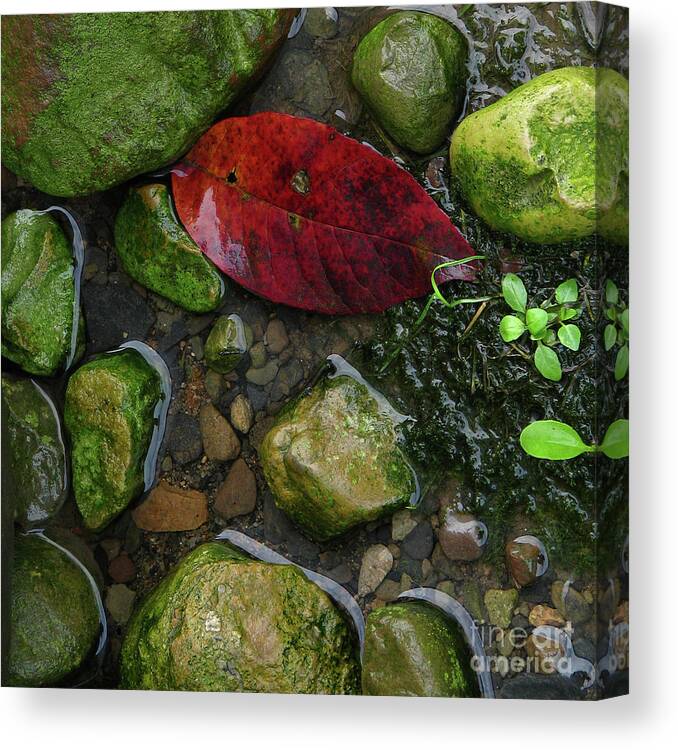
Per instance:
{"type": "Point", "coordinates": [54, 615]}
{"type": "Point", "coordinates": [277, 631]}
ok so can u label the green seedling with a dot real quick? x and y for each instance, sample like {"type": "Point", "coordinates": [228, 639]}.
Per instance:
{"type": "Point", "coordinates": [616, 332]}
{"type": "Point", "coordinates": [557, 441]}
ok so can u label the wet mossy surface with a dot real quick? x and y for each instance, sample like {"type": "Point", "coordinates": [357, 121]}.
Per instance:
{"type": "Point", "coordinates": [221, 621]}
{"type": "Point", "coordinates": [108, 414]}
{"type": "Point", "coordinates": [54, 616]}
{"type": "Point", "coordinates": [38, 292]}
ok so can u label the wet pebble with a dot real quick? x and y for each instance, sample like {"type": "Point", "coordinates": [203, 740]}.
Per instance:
{"type": "Point", "coordinates": [121, 569]}
{"type": "Point", "coordinates": [213, 384]}
{"type": "Point", "coordinates": [242, 415]}
{"type": "Point", "coordinates": [418, 544]}
{"type": "Point", "coordinates": [376, 564]}
{"type": "Point", "coordinates": [219, 440]}
{"type": "Point", "coordinates": [570, 603]}
{"type": "Point", "coordinates": [276, 338]}
{"type": "Point", "coordinates": [461, 536]}
{"type": "Point", "coordinates": [185, 440]}
{"type": "Point", "coordinates": [258, 355]}
{"type": "Point", "coordinates": [402, 523]}
{"type": "Point", "coordinates": [120, 602]}
{"type": "Point", "coordinates": [262, 375]}
{"type": "Point", "coordinates": [237, 495]}
{"type": "Point", "coordinates": [523, 560]}
{"type": "Point", "coordinates": [169, 508]}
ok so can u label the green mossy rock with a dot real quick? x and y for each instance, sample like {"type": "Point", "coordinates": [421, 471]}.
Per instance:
{"type": "Point", "coordinates": [90, 100]}
{"type": "Point", "coordinates": [226, 344]}
{"type": "Point", "coordinates": [109, 418]}
{"type": "Point", "coordinates": [332, 460]}
{"type": "Point", "coordinates": [223, 622]}
{"type": "Point", "coordinates": [414, 649]}
{"type": "Point", "coordinates": [411, 72]}
{"type": "Point", "coordinates": [54, 615]}
{"type": "Point", "coordinates": [549, 161]}
{"type": "Point", "coordinates": [156, 251]}
{"type": "Point", "coordinates": [38, 292]}
{"type": "Point", "coordinates": [37, 456]}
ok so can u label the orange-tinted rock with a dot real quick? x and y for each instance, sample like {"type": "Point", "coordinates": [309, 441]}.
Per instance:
{"type": "Point", "coordinates": [170, 508]}
{"type": "Point", "coordinates": [238, 493]}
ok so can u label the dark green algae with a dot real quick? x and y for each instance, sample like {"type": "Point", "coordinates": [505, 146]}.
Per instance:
{"type": "Point", "coordinates": [414, 649]}
{"type": "Point", "coordinates": [156, 251]}
{"type": "Point", "coordinates": [54, 615]}
{"type": "Point", "coordinates": [224, 622]}
{"type": "Point", "coordinates": [109, 416]}
{"type": "Point", "coordinates": [471, 395]}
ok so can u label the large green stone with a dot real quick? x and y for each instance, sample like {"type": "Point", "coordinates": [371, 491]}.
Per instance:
{"type": "Point", "coordinates": [332, 460]}
{"type": "Point", "coordinates": [223, 622]}
{"type": "Point", "coordinates": [38, 292]}
{"type": "Point", "coordinates": [412, 648]}
{"type": "Point", "coordinates": [54, 616]}
{"type": "Point", "coordinates": [549, 161]}
{"type": "Point", "coordinates": [37, 457]}
{"type": "Point", "coordinates": [90, 100]}
{"type": "Point", "coordinates": [410, 70]}
{"type": "Point", "coordinates": [156, 251]}
{"type": "Point", "coordinates": [109, 418]}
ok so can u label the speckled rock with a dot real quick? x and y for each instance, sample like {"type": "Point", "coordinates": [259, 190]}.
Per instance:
{"type": "Point", "coordinates": [54, 616]}
{"type": "Point", "coordinates": [108, 413]}
{"type": "Point", "coordinates": [500, 604]}
{"type": "Point", "coordinates": [410, 70]}
{"type": "Point", "coordinates": [32, 429]}
{"type": "Point", "coordinates": [38, 292]}
{"type": "Point", "coordinates": [242, 414]}
{"type": "Point", "coordinates": [156, 251]}
{"type": "Point", "coordinates": [412, 648]}
{"type": "Point", "coordinates": [91, 100]}
{"type": "Point", "coordinates": [524, 163]}
{"type": "Point", "coordinates": [376, 565]}
{"type": "Point", "coordinates": [332, 460]}
{"type": "Point", "coordinates": [223, 622]}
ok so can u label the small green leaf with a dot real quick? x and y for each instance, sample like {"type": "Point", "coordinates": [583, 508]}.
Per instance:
{"type": "Point", "coordinates": [536, 319]}
{"type": "Point", "coordinates": [568, 291]}
{"type": "Point", "coordinates": [552, 440]}
{"type": "Point", "coordinates": [611, 292]}
{"type": "Point", "coordinates": [514, 292]}
{"type": "Point", "coordinates": [624, 320]}
{"type": "Point", "coordinates": [511, 328]}
{"type": "Point", "coordinates": [616, 441]}
{"type": "Point", "coordinates": [611, 314]}
{"type": "Point", "coordinates": [567, 313]}
{"type": "Point", "coordinates": [570, 336]}
{"type": "Point", "coordinates": [621, 364]}
{"type": "Point", "coordinates": [609, 336]}
{"type": "Point", "coordinates": [547, 362]}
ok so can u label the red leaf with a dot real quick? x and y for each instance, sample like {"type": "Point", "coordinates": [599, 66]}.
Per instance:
{"type": "Point", "coordinates": [302, 215]}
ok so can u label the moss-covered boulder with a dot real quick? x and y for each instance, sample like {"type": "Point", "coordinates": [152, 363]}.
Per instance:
{"type": "Point", "coordinates": [156, 251]}
{"type": "Point", "coordinates": [410, 70]}
{"type": "Point", "coordinates": [224, 622]}
{"type": "Point", "coordinates": [332, 460]}
{"type": "Point", "coordinates": [108, 414]}
{"type": "Point", "coordinates": [227, 343]}
{"type": "Point", "coordinates": [90, 100]}
{"type": "Point", "coordinates": [412, 648]}
{"type": "Point", "coordinates": [38, 292]}
{"type": "Point", "coordinates": [37, 456]}
{"type": "Point", "coordinates": [549, 161]}
{"type": "Point", "coordinates": [54, 616]}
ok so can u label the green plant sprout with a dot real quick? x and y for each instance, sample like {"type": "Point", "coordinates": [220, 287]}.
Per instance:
{"type": "Point", "coordinates": [557, 441]}
{"type": "Point", "coordinates": [616, 332]}
{"type": "Point", "coordinates": [436, 296]}
{"type": "Point", "coordinates": [540, 322]}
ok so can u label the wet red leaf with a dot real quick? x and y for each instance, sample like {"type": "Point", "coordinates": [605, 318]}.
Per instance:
{"type": "Point", "coordinates": [302, 215]}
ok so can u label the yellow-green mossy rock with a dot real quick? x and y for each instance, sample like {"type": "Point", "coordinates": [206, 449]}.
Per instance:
{"type": "Point", "coordinates": [224, 622]}
{"type": "Point", "coordinates": [333, 461]}
{"type": "Point", "coordinates": [109, 417]}
{"type": "Point", "coordinates": [549, 161]}
{"type": "Point", "coordinates": [54, 620]}
{"type": "Point", "coordinates": [414, 649]}
{"type": "Point", "coordinates": [156, 251]}
{"type": "Point", "coordinates": [410, 70]}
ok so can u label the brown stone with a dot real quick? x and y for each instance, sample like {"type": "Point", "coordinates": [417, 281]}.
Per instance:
{"type": "Point", "coordinates": [276, 336]}
{"type": "Point", "coordinates": [523, 560]}
{"type": "Point", "coordinates": [121, 569]}
{"type": "Point", "coordinates": [238, 493]}
{"type": "Point", "coordinates": [461, 536]}
{"type": "Point", "coordinates": [170, 508]}
{"type": "Point", "coordinates": [219, 439]}
{"type": "Point", "coordinates": [545, 615]}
